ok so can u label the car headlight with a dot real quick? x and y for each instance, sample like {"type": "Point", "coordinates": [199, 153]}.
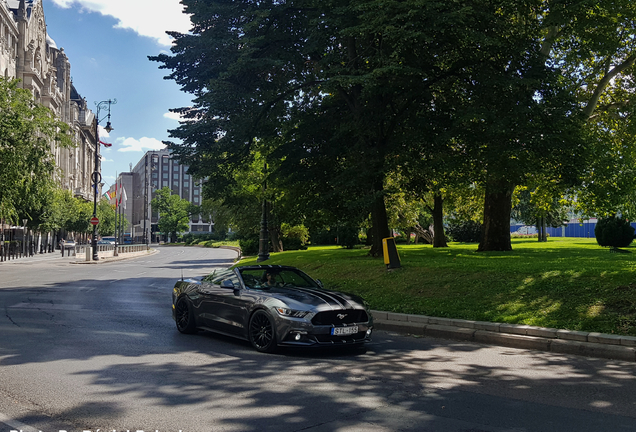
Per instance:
{"type": "Point", "coordinates": [294, 313]}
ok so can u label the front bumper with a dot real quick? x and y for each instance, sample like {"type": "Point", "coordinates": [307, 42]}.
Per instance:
{"type": "Point", "coordinates": [320, 336]}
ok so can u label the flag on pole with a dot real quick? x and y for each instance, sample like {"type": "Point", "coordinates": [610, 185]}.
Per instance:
{"type": "Point", "coordinates": [105, 144]}
{"type": "Point", "coordinates": [124, 198]}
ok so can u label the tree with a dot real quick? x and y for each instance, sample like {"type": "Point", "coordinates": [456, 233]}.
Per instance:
{"type": "Point", "coordinates": [592, 44]}
{"type": "Point", "coordinates": [542, 207]}
{"type": "Point", "coordinates": [107, 218]}
{"type": "Point", "coordinates": [27, 131]}
{"type": "Point", "coordinates": [337, 87]}
{"type": "Point", "coordinates": [174, 213]}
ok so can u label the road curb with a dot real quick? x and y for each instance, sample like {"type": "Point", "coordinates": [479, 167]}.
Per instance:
{"type": "Point", "coordinates": [104, 260]}
{"type": "Point", "coordinates": [589, 344]}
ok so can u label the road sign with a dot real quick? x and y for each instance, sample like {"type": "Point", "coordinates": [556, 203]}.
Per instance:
{"type": "Point", "coordinates": [94, 220]}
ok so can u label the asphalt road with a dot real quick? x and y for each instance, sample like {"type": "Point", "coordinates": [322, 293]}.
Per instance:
{"type": "Point", "coordinates": [88, 347]}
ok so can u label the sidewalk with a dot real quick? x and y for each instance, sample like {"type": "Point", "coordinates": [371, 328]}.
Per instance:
{"type": "Point", "coordinates": [511, 335]}
{"type": "Point", "coordinates": [57, 255]}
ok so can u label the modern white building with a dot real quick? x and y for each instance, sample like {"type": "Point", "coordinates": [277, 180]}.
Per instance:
{"type": "Point", "coordinates": [154, 171]}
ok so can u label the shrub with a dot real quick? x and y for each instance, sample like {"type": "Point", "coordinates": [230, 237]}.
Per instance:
{"type": "Point", "coordinates": [291, 243]}
{"type": "Point", "coordinates": [348, 236]}
{"type": "Point", "coordinates": [324, 237]}
{"type": "Point", "coordinates": [249, 246]}
{"type": "Point", "coordinates": [464, 231]}
{"type": "Point", "coordinates": [614, 232]}
{"type": "Point", "coordinates": [294, 237]}
{"type": "Point", "coordinates": [526, 236]}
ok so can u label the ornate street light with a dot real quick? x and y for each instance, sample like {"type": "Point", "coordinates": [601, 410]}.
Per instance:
{"type": "Point", "coordinates": [97, 177]}
{"type": "Point", "coordinates": [263, 240]}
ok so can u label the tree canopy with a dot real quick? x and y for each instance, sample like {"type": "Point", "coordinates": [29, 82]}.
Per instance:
{"type": "Point", "coordinates": [27, 132]}
{"type": "Point", "coordinates": [174, 213]}
{"type": "Point", "coordinates": [341, 97]}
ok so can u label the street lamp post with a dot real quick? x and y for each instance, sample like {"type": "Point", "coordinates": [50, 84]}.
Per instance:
{"type": "Point", "coordinates": [97, 177]}
{"type": "Point", "coordinates": [24, 236]}
{"type": "Point", "coordinates": [263, 240]}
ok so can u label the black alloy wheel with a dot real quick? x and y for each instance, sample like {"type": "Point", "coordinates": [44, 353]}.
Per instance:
{"type": "Point", "coordinates": [262, 332]}
{"type": "Point", "coordinates": [184, 317]}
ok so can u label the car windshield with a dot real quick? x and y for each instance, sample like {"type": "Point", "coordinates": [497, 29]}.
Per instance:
{"type": "Point", "coordinates": [268, 278]}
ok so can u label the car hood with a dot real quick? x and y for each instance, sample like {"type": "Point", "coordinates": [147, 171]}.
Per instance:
{"type": "Point", "coordinates": [315, 299]}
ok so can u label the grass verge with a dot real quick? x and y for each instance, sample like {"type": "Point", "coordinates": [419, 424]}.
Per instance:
{"type": "Point", "coordinates": [566, 283]}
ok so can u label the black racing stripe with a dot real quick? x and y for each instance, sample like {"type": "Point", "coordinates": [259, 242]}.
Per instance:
{"type": "Point", "coordinates": [331, 298]}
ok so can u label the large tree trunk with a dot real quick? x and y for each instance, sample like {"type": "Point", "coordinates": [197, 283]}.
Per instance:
{"type": "Point", "coordinates": [274, 238]}
{"type": "Point", "coordinates": [497, 206]}
{"type": "Point", "coordinates": [439, 237]}
{"type": "Point", "coordinates": [380, 226]}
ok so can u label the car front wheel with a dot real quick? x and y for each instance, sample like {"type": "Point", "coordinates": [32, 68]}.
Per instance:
{"type": "Point", "coordinates": [184, 317]}
{"type": "Point", "coordinates": [262, 333]}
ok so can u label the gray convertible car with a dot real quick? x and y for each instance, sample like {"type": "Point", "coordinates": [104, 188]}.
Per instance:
{"type": "Point", "coordinates": [271, 306]}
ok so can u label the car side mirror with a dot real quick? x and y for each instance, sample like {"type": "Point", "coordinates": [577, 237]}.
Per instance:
{"type": "Point", "coordinates": [320, 283]}
{"type": "Point", "coordinates": [227, 284]}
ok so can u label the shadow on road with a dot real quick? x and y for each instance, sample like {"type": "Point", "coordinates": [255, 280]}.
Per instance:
{"type": "Point", "coordinates": [122, 344]}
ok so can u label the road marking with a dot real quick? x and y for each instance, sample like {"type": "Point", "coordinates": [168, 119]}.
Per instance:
{"type": "Point", "coordinates": [16, 424]}
{"type": "Point", "coordinates": [46, 306]}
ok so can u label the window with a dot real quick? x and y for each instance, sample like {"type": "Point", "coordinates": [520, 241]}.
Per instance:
{"type": "Point", "coordinates": [196, 192]}
{"type": "Point", "coordinates": [186, 184]}
{"type": "Point", "coordinates": [155, 175]}
{"type": "Point", "coordinates": [155, 183]}
{"type": "Point", "coordinates": [176, 176]}
{"type": "Point", "coordinates": [175, 167]}
{"type": "Point", "coordinates": [165, 175]}
{"type": "Point", "coordinates": [165, 184]}
{"type": "Point", "coordinates": [196, 199]}
{"type": "Point", "coordinates": [218, 278]}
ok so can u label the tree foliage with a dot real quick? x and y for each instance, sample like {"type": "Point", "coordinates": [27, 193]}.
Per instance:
{"type": "Point", "coordinates": [27, 132]}
{"type": "Point", "coordinates": [174, 213]}
{"type": "Point", "coordinates": [337, 98]}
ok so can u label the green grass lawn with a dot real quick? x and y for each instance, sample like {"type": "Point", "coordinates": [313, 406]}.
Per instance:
{"type": "Point", "coordinates": [567, 283]}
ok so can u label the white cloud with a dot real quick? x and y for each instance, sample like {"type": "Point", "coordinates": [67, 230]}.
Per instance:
{"type": "Point", "coordinates": [151, 18]}
{"type": "Point", "coordinates": [172, 116]}
{"type": "Point", "coordinates": [103, 133]}
{"type": "Point", "coordinates": [140, 145]}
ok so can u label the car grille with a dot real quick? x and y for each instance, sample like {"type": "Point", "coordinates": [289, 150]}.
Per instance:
{"type": "Point", "coordinates": [336, 317]}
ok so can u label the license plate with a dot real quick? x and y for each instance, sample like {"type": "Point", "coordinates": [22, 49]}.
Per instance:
{"type": "Point", "coordinates": [343, 331]}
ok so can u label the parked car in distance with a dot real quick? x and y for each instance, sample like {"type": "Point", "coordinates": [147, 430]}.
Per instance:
{"type": "Point", "coordinates": [69, 244]}
{"type": "Point", "coordinates": [107, 240]}
{"type": "Point", "coordinates": [271, 306]}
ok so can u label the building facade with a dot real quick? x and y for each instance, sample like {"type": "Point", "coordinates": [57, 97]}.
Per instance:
{"type": "Point", "coordinates": [154, 171]}
{"type": "Point", "coordinates": [29, 54]}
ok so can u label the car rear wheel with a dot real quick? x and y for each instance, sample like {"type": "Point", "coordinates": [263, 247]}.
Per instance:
{"type": "Point", "coordinates": [184, 317]}
{"type": "Point", "coordinates": [262, 332]}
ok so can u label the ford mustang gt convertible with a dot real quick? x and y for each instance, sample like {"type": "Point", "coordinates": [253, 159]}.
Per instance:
{"type": "Point", "coordinates": [271, 306]}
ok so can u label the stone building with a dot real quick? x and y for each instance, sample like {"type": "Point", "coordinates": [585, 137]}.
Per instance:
{"type": "Point", "coordinates": [29, 54]}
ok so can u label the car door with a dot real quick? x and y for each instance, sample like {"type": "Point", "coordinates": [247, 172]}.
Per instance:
{"type": "Point", "coordinates": [222, 305]}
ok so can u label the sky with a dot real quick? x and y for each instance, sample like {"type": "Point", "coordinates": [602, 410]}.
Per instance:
{"type": "Point", "coordinates": [108, 43]}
